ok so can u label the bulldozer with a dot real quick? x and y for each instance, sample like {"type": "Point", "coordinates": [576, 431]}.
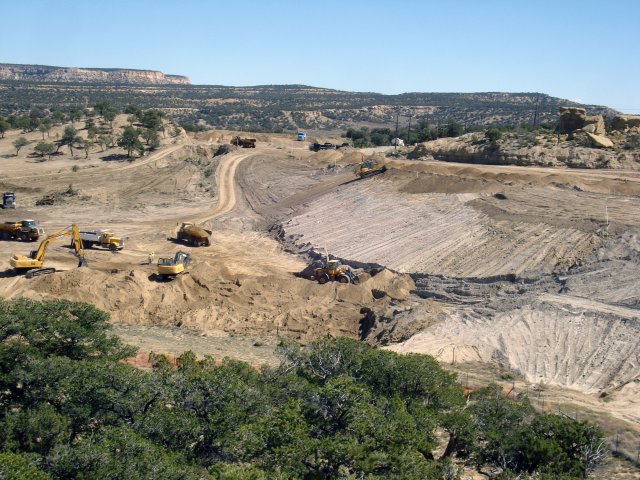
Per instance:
{"type": "Point", "coordinates": [33, 265]}
{"type": "Point", "coordinates": [169, 268]}
{"type": "Point", "coordinates": [192, 235]}
{"type": "Point", "coordinates": [334, 271]}
{"type": "Point", "coordinates": [369, 168]}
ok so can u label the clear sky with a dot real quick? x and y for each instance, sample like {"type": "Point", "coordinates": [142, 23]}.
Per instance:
{"type": "Point", "coordinates": [582, 50]}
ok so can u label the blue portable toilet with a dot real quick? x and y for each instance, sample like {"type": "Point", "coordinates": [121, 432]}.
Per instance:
{"type": "Point", "coordinates": [301, 136]}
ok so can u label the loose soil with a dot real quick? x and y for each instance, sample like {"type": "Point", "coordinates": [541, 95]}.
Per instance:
{"type": "Point", "coordinates": [534, 270]}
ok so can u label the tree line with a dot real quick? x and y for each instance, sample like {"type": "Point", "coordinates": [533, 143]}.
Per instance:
{"type": "Point", "coordinates": [422, 132]}
{"type": "Point", "coordinates": [71, 408]}
{"type": "Point", "coordinates": [144, 126]}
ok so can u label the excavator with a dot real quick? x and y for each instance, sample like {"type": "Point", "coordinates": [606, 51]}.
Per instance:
{"type": "Point", "coordinates": [169, 268]}
{"type": "Point", "coordinates": [33, 265]}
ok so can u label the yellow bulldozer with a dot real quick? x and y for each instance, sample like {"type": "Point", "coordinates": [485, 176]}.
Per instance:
{"type": "Point", "coordinates": [334, 271]}
{"type": "Point", "coordinates": [33, 265]}
{"type": "Point", "coordinates": [169, 268]}
{"type": "Point", "coordinates": [369, 168]}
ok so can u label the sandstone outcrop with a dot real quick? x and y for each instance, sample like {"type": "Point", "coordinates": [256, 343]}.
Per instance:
{"type": "Point", "coordinates": [45, 73]}
{"type": "Point", "coordinates": [600, 141]}
{"type": "Point", "coordinates": [575, 118]}
{"type": "Point", "coordinates": [622, 122]}
{"type": "Point", "coordinates": [571, 119]}
{"type": "Point", "coordinates": [582, 150]}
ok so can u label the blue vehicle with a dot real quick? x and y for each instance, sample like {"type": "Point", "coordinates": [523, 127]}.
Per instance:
{"type": "Point", "coordinates": [301, 136]}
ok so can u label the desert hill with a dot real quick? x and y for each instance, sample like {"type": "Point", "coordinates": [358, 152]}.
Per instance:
{"type": "Point", "coordinates": [45, 73]}
{"type": "Point", "coordinates": [267, 107]}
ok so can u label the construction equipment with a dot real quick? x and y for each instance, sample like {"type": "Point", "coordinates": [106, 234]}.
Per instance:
{"type": "Point", "coordinates": [34, 263]}
{"type": "Point", "coordinates": [369, 168]}
{"type": "Point", "coordinates": [46, 200]}
{"type": "Point", "coordinates": [316, 147]}
{"type": "Point", "coordinates": [25, 230]}
{"type": "Point", "coordinates": [101, 238]}
{"type": "Point", "coordinates": [172, 267]}
{"type": "Point", "coordinates": [192, 235]}
{"type": "Point", "coordinates": [8, 200]}
{"type": "Point", "coordinates": [301, 136]}
{"type": "Point", "coordinates": [333, 270]}
{"type": "Point", "coordinates": [244, 142]}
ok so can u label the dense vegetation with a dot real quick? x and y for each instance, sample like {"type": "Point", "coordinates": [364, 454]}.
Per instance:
{"type": "Point", "coordinates": [288, 107]}
{"type": "Point", "coordinates": [422, 132]}
{"type": "Point", "coordinates": [70, 408]}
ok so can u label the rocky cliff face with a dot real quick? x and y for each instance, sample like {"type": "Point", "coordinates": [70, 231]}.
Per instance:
{"type": "Point", "coordinates": [536, 149]}
{"type": "Point", "coordinates": [43, 73]}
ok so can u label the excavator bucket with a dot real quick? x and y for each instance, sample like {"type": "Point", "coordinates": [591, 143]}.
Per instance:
{"type": "Point", "coordinates": [82, 262]}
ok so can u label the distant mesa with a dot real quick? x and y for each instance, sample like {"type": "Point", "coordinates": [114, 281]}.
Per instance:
{"type": "Point", "coordinates": [44, 73]}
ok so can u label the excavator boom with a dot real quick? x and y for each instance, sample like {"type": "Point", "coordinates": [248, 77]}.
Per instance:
{"type": "Point", "coordinates": [36, 258]}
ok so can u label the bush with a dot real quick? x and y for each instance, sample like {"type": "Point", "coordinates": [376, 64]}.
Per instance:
{"type": "Point", "coordinates": [493, 135]}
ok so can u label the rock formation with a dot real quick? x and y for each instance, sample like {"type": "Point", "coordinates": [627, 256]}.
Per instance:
{"type": "Point", "coordinates": [571, 119]}
{"type": "Point", "coordinates": [575, 118]}
{"type": "Point", "coordinates": [622, 122]}
{"type": "Point", "coordinates": [45, 73]}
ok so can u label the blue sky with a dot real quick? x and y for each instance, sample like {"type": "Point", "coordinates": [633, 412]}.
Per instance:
{"type": "Point", "coordinates": [583, 50]}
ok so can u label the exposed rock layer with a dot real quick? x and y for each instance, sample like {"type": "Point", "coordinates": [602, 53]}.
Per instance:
{"type": "Point", "coordinates": [93, 75]}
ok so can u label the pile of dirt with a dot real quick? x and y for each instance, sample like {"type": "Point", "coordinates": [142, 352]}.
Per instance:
{"type": "Point", "coordinates": [215, 297]}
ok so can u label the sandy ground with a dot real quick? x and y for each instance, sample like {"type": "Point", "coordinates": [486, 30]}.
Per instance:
{"type": "Point", "coordinates": [531, 269]}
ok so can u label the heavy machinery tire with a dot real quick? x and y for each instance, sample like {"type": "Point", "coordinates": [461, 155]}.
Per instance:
{"type": "Point", "coordinates": [195, 242]}
{"type": "Point", "coordinates": [113, 247]}
{"type": "Point", "coordinates": [343, 279]}
{"type": "Point", "coordinates": [322, 279]}
{"type": "Point", "coordinates": [25, 237]}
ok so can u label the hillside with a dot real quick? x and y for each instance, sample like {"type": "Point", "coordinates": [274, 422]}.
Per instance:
{"type": "Point", "coordinates": [45, 73]}
{"type": "Point", "coordinates": [266, 107]}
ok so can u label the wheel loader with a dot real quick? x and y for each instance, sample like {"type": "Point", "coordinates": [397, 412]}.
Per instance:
{"type": "Point", "coordinates": [194, 236]}
{"type": "Point", "coordinates": [169, 268]}
{"type": "Point", "coordinates": [33, 265]}
{"type": "Point", "coordinates": [369, 168]}
{"type": "Point", "coordinates": [334, 271]}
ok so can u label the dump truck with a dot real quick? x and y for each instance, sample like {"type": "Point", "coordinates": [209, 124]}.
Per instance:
{"type": "Point", "coordinates": [25, 230]}
{"type": "Point", "coordinates": [193, 235]}
{"type": "Point", "coordinates": [369, 168]}
{"type": "Point", "coordinates": [244, 142]}
{"type": "Point", "coordinates": [169, 268]}
{"type": "Point", "coordinates": [101, 238]}
{"type": "Point", "coordinates": [33, 265]}
{"type": "Point", "coordinates": [334, 271]}
{"type": "Point", "coordinates": [8, 200]}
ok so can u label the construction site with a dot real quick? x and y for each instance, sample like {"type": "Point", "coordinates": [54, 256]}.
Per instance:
{"type": "Point", "coordinates": [525, 275]}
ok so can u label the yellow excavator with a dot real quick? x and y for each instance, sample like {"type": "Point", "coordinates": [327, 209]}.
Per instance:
{"type": "Point", "coordinates": [33, 265]}
{"type": "Point", "coordinates": [169, 268]}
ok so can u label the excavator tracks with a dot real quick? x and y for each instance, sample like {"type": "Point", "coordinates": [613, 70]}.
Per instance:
{"type": "Point", "coordinates": [39, 272]}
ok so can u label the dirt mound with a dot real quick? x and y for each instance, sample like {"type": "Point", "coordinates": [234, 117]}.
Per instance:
{"type": "Point", "coordinates": [217, 297]}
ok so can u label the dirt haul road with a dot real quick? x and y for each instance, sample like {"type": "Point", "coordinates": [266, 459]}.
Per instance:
{"type": "Point", "coordinates": [244, 283]}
